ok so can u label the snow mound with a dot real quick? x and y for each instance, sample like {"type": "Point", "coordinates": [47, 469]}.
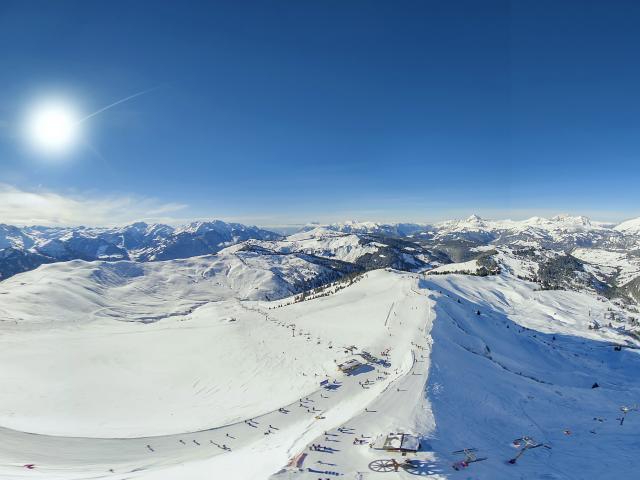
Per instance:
{"type": "Point", "coordinates": [323, 242]}
{"type": "Point", "coordinates": [470, 267]}
{"type": "Point", "coordinates": [79, 292]}
{"type": "Point", "coordinates": [630, 227]}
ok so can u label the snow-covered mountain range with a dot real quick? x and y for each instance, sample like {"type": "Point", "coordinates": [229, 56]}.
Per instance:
{"type": "Point", "coordinates": [22, 249]}
{"type": "Point", "coordinates": [558, 252]}
{"type": "Point", "coordinates": [561, 230]}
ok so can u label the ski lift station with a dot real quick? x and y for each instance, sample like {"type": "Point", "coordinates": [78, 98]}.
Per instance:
{"type": "Point", "coordinates": [397, 442]}
{"type": "Point", "coordinates": [349, 366]}
{"type": "Point", "coordinates": [368, 357]}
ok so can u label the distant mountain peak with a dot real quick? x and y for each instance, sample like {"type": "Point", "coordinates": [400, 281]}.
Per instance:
{"type": "Point", "coordinates": [474, 218]}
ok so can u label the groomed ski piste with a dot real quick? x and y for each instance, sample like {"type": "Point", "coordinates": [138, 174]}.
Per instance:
{"type": "Point", "coordinates": [173, 371]}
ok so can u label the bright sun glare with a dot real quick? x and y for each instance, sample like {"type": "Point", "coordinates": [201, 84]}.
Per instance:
{"type": "Point", "coordinates": [52, 127]}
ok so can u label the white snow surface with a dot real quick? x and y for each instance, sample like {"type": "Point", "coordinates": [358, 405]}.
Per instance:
{"type": "Point", "coordinates": [81, 292]}
{"type": "Point", "coordinates": [322, 242]}
{"type": "Point", "coordinates": [95, 391]}
{"type": "Point", "coordinates": [90, 391]}
{"type": "Point", "coordinates": [630, 227]}
{"type": "Point", "coordinates": [555, 226]}
{"type": "Point", "coordinates": [609, 263]}
{"type": "Point", "coordinates": [461, 267]}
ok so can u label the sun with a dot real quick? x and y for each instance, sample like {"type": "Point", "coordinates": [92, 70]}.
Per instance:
{"type": "Point", "coordinates": [52, 127]}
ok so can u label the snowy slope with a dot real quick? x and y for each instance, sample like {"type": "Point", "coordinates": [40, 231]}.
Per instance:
{"type": "Point", "coordinates": [365, 251]}
{"type": "Point", "coordinates": [526, 366]}
{"type": "Point", "coordinates": [611, 263]}
{"type": "Point", "coordinates": [117, 399]}
{"type": "Point", "coordinates": [77, 291]}
{"type": "Point", "coordinates": [324, 242]}
{"type": "Point", "coordinates": [13, 237]}
{"type": "Point", "coordinates": [139, 316]}
{"type": "Point", "coordinates": [630, 227]}
{"type": "Point", "coordinates": [191, 380]}
{"type": "Point", "coordinates": [470, 267]}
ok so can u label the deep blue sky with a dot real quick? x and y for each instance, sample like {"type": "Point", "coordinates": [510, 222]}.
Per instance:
{"type": "Point", "coordinates": [277, 112]}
